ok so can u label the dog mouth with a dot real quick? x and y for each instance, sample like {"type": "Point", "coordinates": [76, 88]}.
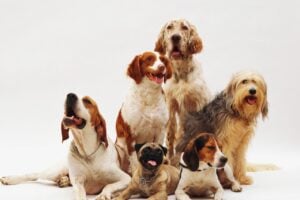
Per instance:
{"type": "Point", "coordinates": [176, 52]}
{"type": "Point", "coordinates": [251, 100]}
{"type": "Point", "coordinates": [152, 163]}
{"type": "Point", "coordinates": [71, 119]}
{"type": "Point", "coordinates": [156, 77]}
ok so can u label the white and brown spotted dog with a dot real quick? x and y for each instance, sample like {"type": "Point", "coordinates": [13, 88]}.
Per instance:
{"type": "Point", "coordinates": [187, 90]}
{"type": "Point", "coordinates": [143, 116]}
{"type": "Point", "coordinates": [204, 169]}
{"type": "Point", "coordinates": [93, 165]}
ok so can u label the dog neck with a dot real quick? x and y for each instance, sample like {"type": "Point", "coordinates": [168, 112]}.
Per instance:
{"type": "Point", "coordinates": [86, 141]}
{"type": "Point", "coordinates": [183, 67]}
{"type": "Point", "coordinates": [148, 175]}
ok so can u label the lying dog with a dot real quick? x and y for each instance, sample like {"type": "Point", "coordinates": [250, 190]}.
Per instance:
{"type": "Point", "coordinates": [93, 165]}
{"type": "Point", "coordinates": [232, 116]}
{"type": "Point", "coordinates": [152, 179]}
{"type": "Point", "coordinates": [144, 114]}
{"type": "Point", "coordinates": [201, 163]}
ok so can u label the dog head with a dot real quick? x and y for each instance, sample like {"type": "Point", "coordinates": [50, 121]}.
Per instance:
{"type": "Point", "coordinates": [203, 150]}
{"type": "Point", "coordinates": [150, 155]}
{"type": "Point", "coordinates": [152, 66]}
{"type": "Point", "coordinates": [81, 114]}
{"type": "Point", "coordinates": [247, 95]}
{"type": "Point", "coordinates": [179, 39]}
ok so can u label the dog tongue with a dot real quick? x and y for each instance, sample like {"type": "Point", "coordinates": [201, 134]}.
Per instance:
{"type": "Point", "coordinates": [158, 80]}
{"type": "Point", "coordinates": [176, 54]}
{"type": "Point", "coordinates": [77, 121]}
{"type": "Point", "coordinates": [251, 100]}
{"type": "Point", "coordinates": [152, 162]}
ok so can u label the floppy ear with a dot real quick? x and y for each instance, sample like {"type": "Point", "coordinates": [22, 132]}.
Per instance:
{"type": "Point", "coordinates": [134, 70]}
{"type": "Point", "coordinates": [64, 132]}
{"type": "Point", "coordinates": [265, 108]}
{"type": "Point", "coordinates": [195, 42]}
{"type": "Point", "coordinates": [137, 147]}
{"type": "Point", "coordinates": [190, 157]}
{"type": "Point", "coordinates": [160, 43]}
{"type": "Point", "coordinates": [164, 149]}
{"type": "Point", "coordinates": [169, 67]}
{"type": "Point", "coordinates": [101, 130]}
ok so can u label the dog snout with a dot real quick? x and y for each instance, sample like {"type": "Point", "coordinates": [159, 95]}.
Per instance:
{"type": "Point", "coordinates": [70, 103]}
{"type": "Point", "coordinates": [223, 160]}
{"type": "Point", "coordinates": [161, 68]}
{"type": "Point", "coordinates": [176, 38]}
{"type": "Point", "coordinates": [252, 91]}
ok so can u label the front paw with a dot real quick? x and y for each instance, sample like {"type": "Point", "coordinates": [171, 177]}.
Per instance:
{"type": "Point", "coordinates": [103, 196]}
{"type": "Point", "coordinates": [246, 180]}
{"type": "Point", "coordinates": [8, 180]}
{"type": "Point", "coordinates": [63, 181]}
{"type": "Point", "coordinates": [236, 187]}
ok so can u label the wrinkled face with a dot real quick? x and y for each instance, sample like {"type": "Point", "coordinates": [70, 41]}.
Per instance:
{"type": "Point", "coordinates": [80, 113]}
{"type": "Point", "coordinates": [249, 94]}
{"type": "Point", "coordinates": [156, 68]}
{"type": "Point", "coordinates": [178, 39]}
{"type": "Point", "coordinates": [204, 149]}
{"type": "Point", "coordinates": [150, 155]}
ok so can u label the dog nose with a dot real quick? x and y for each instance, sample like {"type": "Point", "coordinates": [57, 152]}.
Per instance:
{"type": "Point", "coordinates": [252, 91]}
{"type": "Point", "coordinates": [161, 68]}
{"type": "Point", "coordinates": [176, 38]}
{"type": "Point", "coordinates": [71, 99]}
{"type": "Point", "coordinates": [71, 96]}
{"type": "Point", "coordinates": [223, 160]}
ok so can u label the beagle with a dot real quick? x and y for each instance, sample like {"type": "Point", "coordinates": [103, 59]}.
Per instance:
{"type": "Point", "coordinates": [204, 170]}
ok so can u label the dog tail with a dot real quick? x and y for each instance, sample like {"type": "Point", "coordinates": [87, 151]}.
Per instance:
{"type": "Point", "coordinates": [251, 167]}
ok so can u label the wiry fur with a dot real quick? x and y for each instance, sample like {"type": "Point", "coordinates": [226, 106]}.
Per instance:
{"type": "Point", "coordinates": [232, 119]}
{"type": "Point", "coordinates": [187, 90]}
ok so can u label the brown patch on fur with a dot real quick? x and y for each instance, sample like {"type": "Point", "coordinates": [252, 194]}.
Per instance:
{"type": "Point", "coordinates": [191, 102]}
{"type": "Point", "coordinates": [195, 42]}
{"type": "Point", "coordinates": [207, 153]}
{"type": "Point", "coordinates": [123, 131]}
{"type": "Point", "coordinates": [64, 132]}
{"type": "Point", "coordinates": [96, 119]}
{"type": "Point", "coordinates": [160, 46]}
{"type": "Point", "coordinates": [225, 182]}
{"type": "Point", "coordinates": [168, 65]}
{"type": "Point", "coordinates": [134, 70]}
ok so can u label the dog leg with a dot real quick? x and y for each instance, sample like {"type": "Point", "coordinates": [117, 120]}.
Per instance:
{"type": "Point", "coordinates": [110, 189]}
{"type": "Point", "coordinates": [161, 195]}
{"type": "Point", "coordinates": [171, 128]}
{"type": "Point", "coordinates": [78, 186]}
{"type": "Point", "coordinates": [128, 192]}
{"type": "Point", "coordinates": [235, 186]}
{"type": "Point", "coordinates": [180, 193]}
{"type": "Point", "coordinates": [219, 193]}
{"type": "Point", "coordinates": [57, 175]}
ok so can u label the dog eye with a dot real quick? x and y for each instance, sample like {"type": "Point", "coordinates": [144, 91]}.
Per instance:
{"type": "Point", "coordinates": [169, 27]}
{"type": "Point", "coordinates": [184, 27]}
{"type": "Point", "coordinates": [244, 81]}
{"type": "Point", "coordinates": [211, 147]}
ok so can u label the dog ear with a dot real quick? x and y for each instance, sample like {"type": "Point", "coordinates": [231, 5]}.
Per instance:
{"type": "Point", "coordinates": [101, 131]}
{"type": "Point", "coordinates": [169, 67]}
{"type": "Point", "coordinates": [190, 157]}
{"type": "Point", "coordinates": [195, 42]}
{"type": "Point", "coordinates": [137, 147]}
{"type": "Point", "coordinates": [265, 108]}
{"type": "Point", "coordinates": [160, 45]}
{"type": "Point", "coordinates": [134, 70]}
{"type": "Point", "coordinates": [64, 132]}
{"type": "Point", "coordinates": [164, 149]}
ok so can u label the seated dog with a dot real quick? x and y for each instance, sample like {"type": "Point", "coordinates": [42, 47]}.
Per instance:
{"type": "Point", "coordinates": [153, 178]}
{"type": "Point", "coordinates": [201, 163]}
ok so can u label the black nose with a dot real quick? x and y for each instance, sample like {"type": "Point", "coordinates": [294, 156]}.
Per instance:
{"type": "Point", "coordinates": [161, 68]}
{"type": "Point", "coordinates": [252, 91]}
{"type": "Point", "coordinates": [176, 38]}
{"type": "Point", "coordinates": [223, 159]}
{"type": "Point", "coordinates": [71, 100]}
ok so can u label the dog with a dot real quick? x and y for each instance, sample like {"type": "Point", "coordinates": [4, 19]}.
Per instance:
{"type": "Point", "coordinates": [187, 90]}
{"type": "Point", "coordinates": [153, 178]}
{"type": "Point", "coordinates": [93, 164]}
{"type": "Point", "coordinates": [202, 165]}
{"type": "Point", "coordinates": [144, 114]}
{"type": "Point", "coordinates": [232, 116]}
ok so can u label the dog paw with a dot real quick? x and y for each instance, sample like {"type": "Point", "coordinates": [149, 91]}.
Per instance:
{"type": "Point", "coordinates": [103, 196]}
{"type": "Point", "coordinates": [236, 187]}
{"type": "Point", "coordinates": [63, 181]}
{"type": "Point", "coordinates": [7, 181]}
{"type": "Point", "coordinates": [246, 180]}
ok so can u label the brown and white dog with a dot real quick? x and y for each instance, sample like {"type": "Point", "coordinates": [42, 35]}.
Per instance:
{"type": "Point", "coordinates": [93, 165]}
{"type": "Point", "coordinates": [144, 114]}
{"type": "Point", "coordinates": [187, 90]}
{"type": "Point", "coordinates": [201, 163]}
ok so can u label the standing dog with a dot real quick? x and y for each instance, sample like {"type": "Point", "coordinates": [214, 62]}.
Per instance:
{"type": "Point", "coordinates": [232, 116]}
{"type": "Point", "coordinates": [201, 163]}
{"type": "Point", "coordinates": [93, 165]}
{"type": "Point", "coordinates": [144, 114]}
{"type": "Point", "coordinates": [152, 179]}
{"type": "Point", "coordinates": [187, 90]}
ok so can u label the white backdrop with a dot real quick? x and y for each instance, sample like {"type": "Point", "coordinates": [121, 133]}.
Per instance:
{"type": "Point", "coordinates": [51, 48]}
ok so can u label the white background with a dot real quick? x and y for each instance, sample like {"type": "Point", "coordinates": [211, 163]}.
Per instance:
{"type": "Point", "coordinates": [51, 48]}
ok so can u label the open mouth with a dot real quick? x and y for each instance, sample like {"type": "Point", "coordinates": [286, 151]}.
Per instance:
{"type": "Point", "coordinates": [157, 78]}
{"type": "Point", "coordinates": [176, 53]}
{"type": "Point", "coordinates": [251, 100]}
{"type": "Point", "coordinates": [72, 119]}
{"type": "Point", "coordinates": [152, 163]}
